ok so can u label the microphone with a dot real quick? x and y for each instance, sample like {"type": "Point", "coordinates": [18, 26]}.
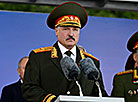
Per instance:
{"type": "Point", "coordinates": [71, 70]}
{"type": "Point", "coordinates": [90, 71]}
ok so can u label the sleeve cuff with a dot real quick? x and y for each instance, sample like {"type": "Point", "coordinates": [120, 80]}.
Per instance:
{"type": "Point", "coordinates": [49, 98]}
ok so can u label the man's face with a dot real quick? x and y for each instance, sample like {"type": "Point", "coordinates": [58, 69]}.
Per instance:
{"type": "Point", "coordinates": [21, 70]}
{"type": "Point", "coordinates": [68, 36]}
{"type": "Point", "coordinates": [136, 58]}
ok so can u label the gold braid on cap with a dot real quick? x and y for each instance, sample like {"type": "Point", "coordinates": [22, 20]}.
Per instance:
{"type": "Point", "coordinates": [136, 45]}
{"type": "Point", "coordinates": [68, 20]}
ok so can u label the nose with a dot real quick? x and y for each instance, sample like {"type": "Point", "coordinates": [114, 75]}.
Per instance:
{"type": "Point", "coordinates": [71, 33]}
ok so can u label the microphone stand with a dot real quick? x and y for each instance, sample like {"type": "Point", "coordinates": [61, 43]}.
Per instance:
{"type": "Point", "coordinates": [81, 94]}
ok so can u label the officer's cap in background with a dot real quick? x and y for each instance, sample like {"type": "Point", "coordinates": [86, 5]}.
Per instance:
{"type": "Point", "coordinates": [133, 42]}
{"type": "Point", "coordinates": [68, 14]}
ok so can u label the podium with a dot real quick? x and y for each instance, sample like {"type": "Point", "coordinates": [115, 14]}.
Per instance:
{"type": "Point", "coordinates": [64, 98]}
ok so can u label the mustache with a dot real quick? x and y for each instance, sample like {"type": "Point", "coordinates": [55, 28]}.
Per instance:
{"type": "Point", "coordinates": [70, 37]}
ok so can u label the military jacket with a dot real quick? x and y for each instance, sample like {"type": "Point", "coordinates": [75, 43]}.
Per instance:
{"type": "Point", "coordinates": [44, 79]}
{"type": "Point", "coordinates": [123, 86]}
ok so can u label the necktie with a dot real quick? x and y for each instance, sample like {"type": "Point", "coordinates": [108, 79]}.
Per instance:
{"type": "Point", "coordinates": [68, 53]}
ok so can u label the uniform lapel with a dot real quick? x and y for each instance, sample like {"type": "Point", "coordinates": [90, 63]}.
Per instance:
{"type": "Point", "coordinates": [56, 60]}
{"type": "Point", "coordinates": [78, 57]}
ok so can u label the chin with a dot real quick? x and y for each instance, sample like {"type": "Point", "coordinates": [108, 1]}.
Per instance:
{"type": "Point", "coordinates": [70, 46]}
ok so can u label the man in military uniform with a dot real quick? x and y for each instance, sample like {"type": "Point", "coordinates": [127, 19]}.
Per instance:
{"type": "Point", "coordinates": [44, 78]}
{"type": "Point", "coordinates": [125, 84]}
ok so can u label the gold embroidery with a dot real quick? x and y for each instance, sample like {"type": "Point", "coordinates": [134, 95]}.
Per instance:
{"type": "Point", "coordinates": [46, 97]}
{"type": "Point", "coordinates": [68, 20]}
{"type": "Point", "coordinates": [43, 49]}
{"type": "Point", "coordinates": [136, 46]}
{"type": "Point", "coordinates": [50, 98]}
{"type": "Point", "coordinates": [82, 55]}
{"type": "Point", "coordinates": [54, 53]}
{"type": "Point", "coordinates": [135, 74]}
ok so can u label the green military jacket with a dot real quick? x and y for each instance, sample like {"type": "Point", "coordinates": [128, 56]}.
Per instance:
{"type": "Point", "coordinates": [44, 79]}
{"type": "Point", "coordinates": [123, 86]}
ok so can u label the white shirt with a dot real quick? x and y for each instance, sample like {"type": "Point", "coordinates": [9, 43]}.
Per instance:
{"type": "Point", "coordinates": [63, 50]}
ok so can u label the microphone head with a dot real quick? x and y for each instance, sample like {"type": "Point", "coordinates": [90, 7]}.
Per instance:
{"type": "Point", "coordinates": [89, 69]}
{"type": "Point", "coordinates": [70, 68]}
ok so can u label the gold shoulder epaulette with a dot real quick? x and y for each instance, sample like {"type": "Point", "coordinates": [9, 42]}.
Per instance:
{"type": "Point", "coordinates": [43, 49]}
{"type": "Point", "coordinates": [125, 72]}
{"type": "Point", "coordinates": [87, 54]}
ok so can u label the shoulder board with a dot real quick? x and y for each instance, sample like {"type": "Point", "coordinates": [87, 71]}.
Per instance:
{"type": "Point", "coordinates": [125, 72]}
{"type": "Point", "coordinates": [87, 54]}
{"type": "Point", "coordinates": [43, 49]}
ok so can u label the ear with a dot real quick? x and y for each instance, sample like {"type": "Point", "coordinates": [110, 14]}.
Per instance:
{"type": "Point", "coordinates": [134, 57]}
{"type": "Point", "coordinates": [56, 31]}
{"type": "Point", "coordinates": [18, 71]}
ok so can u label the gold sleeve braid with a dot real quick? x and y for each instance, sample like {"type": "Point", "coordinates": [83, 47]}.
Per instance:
{"type": "Point", "coordinates": [48, 98]}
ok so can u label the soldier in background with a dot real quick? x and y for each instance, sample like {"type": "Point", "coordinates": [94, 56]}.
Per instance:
{"type": "Point", "coordinates": [125, 84]}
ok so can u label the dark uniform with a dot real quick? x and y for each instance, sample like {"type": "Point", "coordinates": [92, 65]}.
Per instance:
{"type": "Point", "coordinates": [44, 70]}
{"type": "Point", "coordinates": [125, 84]}
{"type": "Point", "coordinates": [44, 79]}
{"type": "Point", "coordinates": [12, 93]}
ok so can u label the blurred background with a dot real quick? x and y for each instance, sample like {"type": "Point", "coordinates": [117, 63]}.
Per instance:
{"type": "Point", "coordinates": [100, 8]}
